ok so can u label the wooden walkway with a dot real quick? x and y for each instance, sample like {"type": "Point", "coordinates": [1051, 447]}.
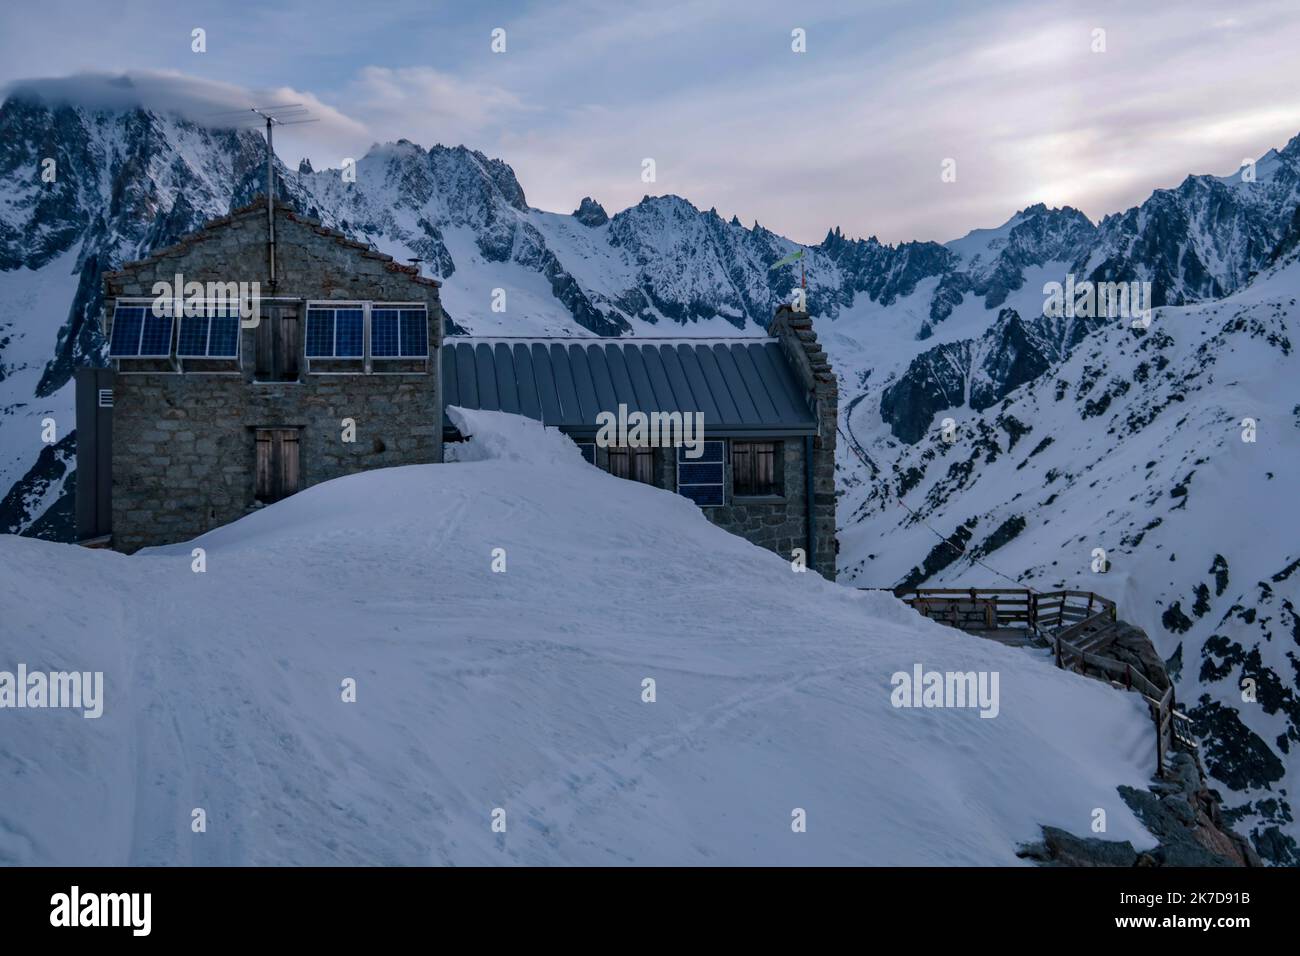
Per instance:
{"type": "Point", "coordinates": [1074, 625]}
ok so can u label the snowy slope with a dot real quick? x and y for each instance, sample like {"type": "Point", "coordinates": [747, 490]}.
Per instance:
{"type": "Point", "coordinates": [1134, 445]}
{"type": "Point", "coordinates": [521, 690]}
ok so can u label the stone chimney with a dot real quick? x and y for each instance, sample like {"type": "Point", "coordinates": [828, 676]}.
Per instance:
{"type": "Point", "coordinates": [813, 372]}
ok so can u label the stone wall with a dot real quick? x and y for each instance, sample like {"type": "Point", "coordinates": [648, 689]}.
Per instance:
{"type": "Point", "coordinates": [781, 524]}
{"type": "Point", "coordinates": [813, 370]}
{"type": "Point", "coordinates": [778, 524]}
{"type": "Point", "coordinates": [184, 444]}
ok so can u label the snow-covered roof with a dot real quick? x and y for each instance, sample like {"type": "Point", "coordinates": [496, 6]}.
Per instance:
{"type": "Point", "coordinates": [741, 385]}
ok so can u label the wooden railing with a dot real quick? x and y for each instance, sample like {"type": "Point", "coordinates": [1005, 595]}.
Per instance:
{"type": "Point", "coordinates": [1066, 621]}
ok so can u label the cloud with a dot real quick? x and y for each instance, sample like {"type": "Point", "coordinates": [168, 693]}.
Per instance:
{"type": "Point", "coordinates": [204, 102]}
{"type": "Point", "coordinates": [427, 106]}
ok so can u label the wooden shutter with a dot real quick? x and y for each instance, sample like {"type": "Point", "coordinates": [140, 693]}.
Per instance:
{"type": "Point", "coordinates": [289, 345]}
{"type": "Point", "coordinates": [643, 467]}
{"type": "Point", "coordinates": [277, 472]}
{"type": "Point", "coordinates": [264, 348]}
{"type": "Point", "coordinates": [742, 468]}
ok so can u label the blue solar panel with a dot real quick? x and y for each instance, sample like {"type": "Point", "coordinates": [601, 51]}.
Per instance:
{"type": "Point", "coordinates": [224, 340]}
{"type": "Point", "coordinates": [701, 473]}
{"type": "Point", "coordinates": [415, 333]}
{"type": "Point", "coordinates": [702, 479]}
{"type": "Point", "coordinates": [193, 338]}
{"type": "Point", "coordinates": [349, 325]}
{"type": "Point", "coordinates": [703, 495]}
{"type": "Point", "coordinates": [320, 333]}
{"type": "Point", "coordinates": [383, 333]}
{"type": "Point", "coordinates": [156, 340]}
{"type": "Point", "coordinates": [127, 322]}
{"type": "Point", "coordinates": [712, 452]}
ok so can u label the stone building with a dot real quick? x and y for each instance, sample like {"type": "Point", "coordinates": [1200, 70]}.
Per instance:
{"type": "Point", "coordinates": [331, 359]}
{"type": "Point", "coordinates": [213, 416]}
{"type": "Point", "coordinates": [769, 409]}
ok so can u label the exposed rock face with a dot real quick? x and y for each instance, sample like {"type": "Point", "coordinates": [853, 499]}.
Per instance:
{"type": "Point", "coordinates": [590, 213]}
{"type": "Point", "coordinates": [1180, 811]}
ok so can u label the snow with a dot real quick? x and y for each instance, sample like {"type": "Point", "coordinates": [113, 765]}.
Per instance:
{"type": "Point", "coordinates": [521, 690]}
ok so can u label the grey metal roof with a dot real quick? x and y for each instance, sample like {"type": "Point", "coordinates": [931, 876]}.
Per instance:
{"type": "Point", "coordinates": [741, 385]}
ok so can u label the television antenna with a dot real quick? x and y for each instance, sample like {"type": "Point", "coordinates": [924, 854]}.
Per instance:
{"type": "Point", "coordinates": [285, 114]}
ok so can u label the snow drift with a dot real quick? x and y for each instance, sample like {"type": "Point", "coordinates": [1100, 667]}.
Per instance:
{"type": "Point", "coordinates": [522, 690]}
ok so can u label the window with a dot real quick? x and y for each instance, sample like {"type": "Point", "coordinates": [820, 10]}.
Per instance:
{"type": "Point", "coordinates": [757, 469]}
{"type": "Point", "coordinates": [701, 479]}
{"type": "Point", "coordinates": [277, 345]}
{"type": "Point", "coordinates": [276, 474]}
{"type": "Point", "coordinates": [637, 464]}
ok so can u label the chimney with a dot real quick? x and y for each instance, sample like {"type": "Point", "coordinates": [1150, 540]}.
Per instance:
{"type": "Point", "coordinates": [795, 332]}
{"type": "Point", "coordinates": [813, 372]}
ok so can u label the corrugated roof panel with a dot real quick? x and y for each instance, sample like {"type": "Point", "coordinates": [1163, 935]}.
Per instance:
{"type": "Point", "coordinates": [664, 392]}
{"type": "Point", "coordinates": [507, 382]}
{"type": "Point", "coordinates": [739, 385]}
{"type": "Point", "coordinates": [600, 378]}
{"type": "Point", "coordinates": [672, 366]}
{"type": "Point", "coordinates": [715, 409]}
{"type": "Point", "coordinates": [450, 388]}
{"type": "Point", "coordinates": [756, 384]}
{"type": "Point", "coordinates": [550, 398]}
{"type": "Point", "coordinates": [583, 384]}
{"type": "Point", "coordinates": [624, 392]}
{"type": "Point", "coordinates": [528, 403]}
{"type": "Point", "coordinates": [570, 410]}
{"type": "Point", "coordinates": [785, 393]}
{"type": "Point", "coordinates": [726, 356]}
{"type": "Point", "coordinates": [645, 394]}
{"type": "Point", "coordinates": [732, 407]}
{"type": "Point", "coordinates": [467, 377]}
{"type": "Point", "coordinates": [487, 378]}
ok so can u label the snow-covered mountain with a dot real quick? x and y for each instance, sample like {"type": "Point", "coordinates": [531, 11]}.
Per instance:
{"type": "Point", "coordinates": [918, 331]}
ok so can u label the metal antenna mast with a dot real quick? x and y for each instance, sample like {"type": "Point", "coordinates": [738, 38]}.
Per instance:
{"type": "Point", "coordinates": [289, 114]}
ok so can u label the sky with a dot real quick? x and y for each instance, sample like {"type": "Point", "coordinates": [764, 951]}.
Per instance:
{"type": "Point", "coordinates": [1019, 101]}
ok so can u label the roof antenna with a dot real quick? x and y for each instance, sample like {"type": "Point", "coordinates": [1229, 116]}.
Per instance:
{"type": "Point", "coordinates": [416, 262]}
{"type": "Point", "coordinates": [287, 114]}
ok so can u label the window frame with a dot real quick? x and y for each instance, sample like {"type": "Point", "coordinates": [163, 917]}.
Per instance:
{"type": "Point", "coordinates": [633, 454]}
{"type": "Point", "coordinates": [364, 364]}
{"type": "Point", "coordinates": [275, 464]}
{"type": "Point", "coordinates": [176, 363]}
{"type": "Point", "coordinates": [751, 493]}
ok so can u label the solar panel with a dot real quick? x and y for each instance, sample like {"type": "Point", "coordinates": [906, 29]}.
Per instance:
{"type": "Point", "coordinates": [702, 479]}
{"type": "Point", "coordinates": [156, 339]}
{"type": "Point", "coordinates": [415, 333]}
{"type": "Point", "coordinates": [223, 341]}
{"type": "Point", "coordinates": [384, 333]}
{"type": "Point", "coordinates": [128, 323]}
{"type": "Point", "coordinates": [320, 333]}
{"type": "Point", "coordinates": [349, 326]}
{"type": "Point", "coordinates": [192, 342]}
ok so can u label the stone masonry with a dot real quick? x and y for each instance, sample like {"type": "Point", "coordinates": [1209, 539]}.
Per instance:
{"type": "Point", "coordinates": [184, 444]}
{"type": "Point", "coordinates": [780, 524]}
